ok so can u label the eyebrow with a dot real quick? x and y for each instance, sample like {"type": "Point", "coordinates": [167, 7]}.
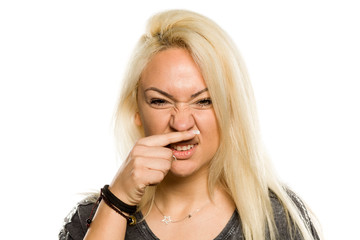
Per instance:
{"type": "Point", "coordinates": [171, 96]}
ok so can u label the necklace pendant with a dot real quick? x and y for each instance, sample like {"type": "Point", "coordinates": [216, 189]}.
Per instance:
{"type": "Point", "coordinates": [167, 219]}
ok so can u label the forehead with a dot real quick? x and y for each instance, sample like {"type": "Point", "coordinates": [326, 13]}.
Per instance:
{"type": "Point", "coordinates": [172, 69]}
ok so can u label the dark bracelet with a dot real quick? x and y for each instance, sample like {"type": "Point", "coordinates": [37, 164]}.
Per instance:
{"type": "Point", "coordinates": [89, 220]}
{"type": "Point", "coordinates": [131, 220]}
{"type": "Point", "coordinates": [117, 202]}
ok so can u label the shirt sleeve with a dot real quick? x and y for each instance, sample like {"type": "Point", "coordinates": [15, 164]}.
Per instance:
{"type": "Point", "coordinates": [305, 215]}
{"type": "Point", "coordinates": [75, 225]}
{"type": "Point", "coordinates": [281, 218]}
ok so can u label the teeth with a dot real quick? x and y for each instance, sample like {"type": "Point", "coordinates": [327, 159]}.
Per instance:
{"type": "Point", "coordinates": [183, 148]}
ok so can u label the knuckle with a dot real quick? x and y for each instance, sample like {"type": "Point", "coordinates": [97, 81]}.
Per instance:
{"type": "Point", "coordinates": [160, 175]}
{"type": "Point", "coordinates": [136, 163]}
{"type": "Point", "coordinates": [140, 142]}
{"type": "Point", "coordinates": [169, 152]}
{"type": "Point", "coordinates": [166, 165]}
{"type": "Point", "coordinates": [156, 178]}
{"type": "Point", "coordinates": [135, 149]}
{"type": "Point", "coordinates": [136, 175]}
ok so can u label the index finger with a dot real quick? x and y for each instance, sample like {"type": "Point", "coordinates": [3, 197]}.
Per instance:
{"type": "Point", "coordinates": [168, 138]}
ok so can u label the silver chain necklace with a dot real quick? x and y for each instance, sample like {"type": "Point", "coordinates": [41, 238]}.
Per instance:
{"type": "Point", "coordinates": [167, 219]}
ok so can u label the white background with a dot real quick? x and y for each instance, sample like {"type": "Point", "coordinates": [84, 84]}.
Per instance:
{"type": "Point", "coordinates": [61, 63]}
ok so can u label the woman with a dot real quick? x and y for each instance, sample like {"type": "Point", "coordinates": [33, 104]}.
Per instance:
{"type": "Point", "coordinates": [195, 167]}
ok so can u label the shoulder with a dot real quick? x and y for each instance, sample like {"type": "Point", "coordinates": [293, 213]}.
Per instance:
{"type": "Point", "coordinates": [283, 220]}
{"type": "Point", "coordinates": [74, 226]}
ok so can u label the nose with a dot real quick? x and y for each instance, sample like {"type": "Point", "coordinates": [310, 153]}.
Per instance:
{"type": "Point", "coordinates": [182, 119]}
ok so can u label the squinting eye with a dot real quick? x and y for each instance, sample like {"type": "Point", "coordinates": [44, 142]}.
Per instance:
{"type": "Point", "coordinates": [158, 102]}
{"type": "Point", "coordinates": [204, 102]}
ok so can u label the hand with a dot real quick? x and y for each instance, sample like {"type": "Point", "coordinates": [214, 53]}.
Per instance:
{"type": "Point", "coordinates": [147, 164]}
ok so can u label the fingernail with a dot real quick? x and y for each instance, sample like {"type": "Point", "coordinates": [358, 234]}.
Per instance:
{"type": "Point", "coordinates": [197, 132]}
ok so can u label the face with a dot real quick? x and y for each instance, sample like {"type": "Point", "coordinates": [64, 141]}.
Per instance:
{"type": "Point", "coordinates": [172, 96]}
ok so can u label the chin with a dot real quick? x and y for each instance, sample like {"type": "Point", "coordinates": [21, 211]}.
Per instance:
{"type": "Point", "coordinates": [183, 170]}
{"type": "Point", "coordinates": [181, 173]}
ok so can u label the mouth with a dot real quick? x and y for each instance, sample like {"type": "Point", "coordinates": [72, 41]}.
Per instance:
{"type": "Point", "coordinates": [184, 149]}
{"type": "Point", "coordinates": [181, 148]}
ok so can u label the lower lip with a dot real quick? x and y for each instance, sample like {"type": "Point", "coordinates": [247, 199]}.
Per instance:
{"type": "Point", "coordinates": [182, 155]}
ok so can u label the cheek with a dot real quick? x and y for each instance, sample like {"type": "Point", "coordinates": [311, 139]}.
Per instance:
{"type": "Point", "coordinates": [208, 126]}
{"type": "Point", "coordinates": [154, 121]}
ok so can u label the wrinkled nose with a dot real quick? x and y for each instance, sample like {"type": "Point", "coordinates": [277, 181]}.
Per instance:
{"type": "Point", "coordinates": [182, 119]}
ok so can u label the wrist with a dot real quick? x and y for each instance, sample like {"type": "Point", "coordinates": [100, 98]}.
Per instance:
{"type": "Point", "coordinates": [114, 200]}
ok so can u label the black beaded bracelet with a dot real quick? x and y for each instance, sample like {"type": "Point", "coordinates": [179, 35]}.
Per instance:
{"type": "Point", "coordinates": [116, 204]}
{"type": "Point", "coordinates": [131, 220]}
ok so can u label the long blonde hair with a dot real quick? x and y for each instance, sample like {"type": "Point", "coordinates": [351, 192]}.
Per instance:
{"type": "Point", "coordinates": [240, 164]}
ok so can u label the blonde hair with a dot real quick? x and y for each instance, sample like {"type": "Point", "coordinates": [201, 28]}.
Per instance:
{"type": "Point", "coordinates": [240, 165]}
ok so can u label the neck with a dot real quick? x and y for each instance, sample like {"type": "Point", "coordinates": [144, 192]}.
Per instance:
{"type": "Point", "coordinates": [179, 199]}
{"type": "Point", "coordinates": [184, 193]}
